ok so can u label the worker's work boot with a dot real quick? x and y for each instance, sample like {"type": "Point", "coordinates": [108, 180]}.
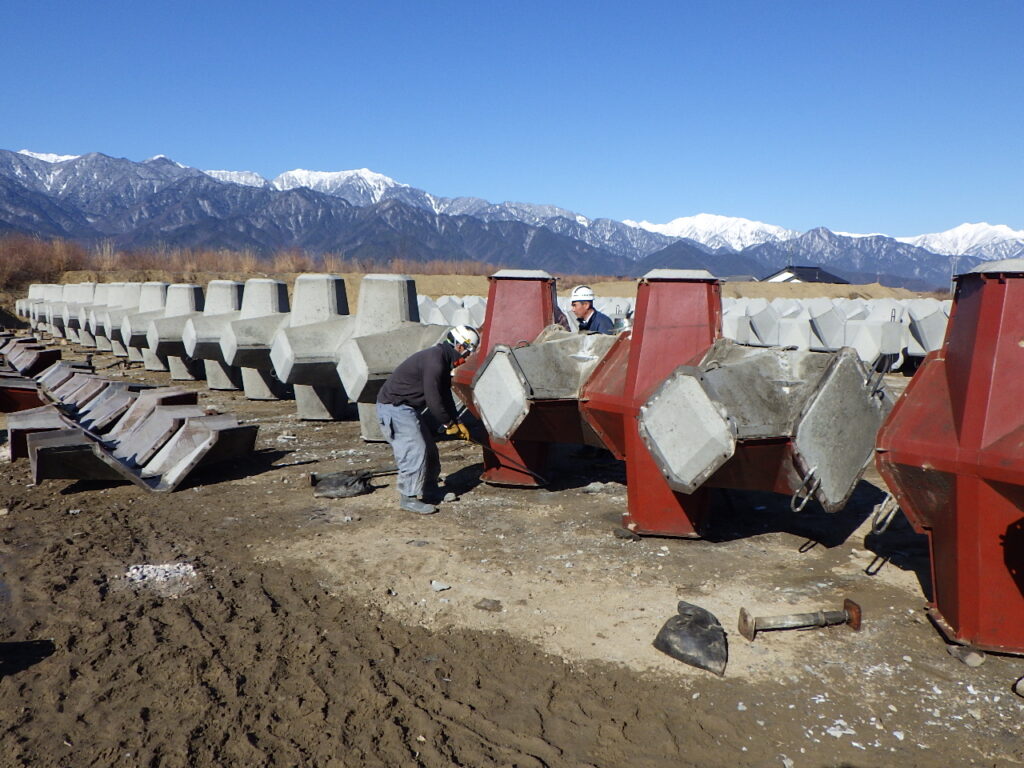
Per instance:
{"type": "Point", "coordinates": [412, 504]}
{"type": "Point", "coordinates": [432, 493]}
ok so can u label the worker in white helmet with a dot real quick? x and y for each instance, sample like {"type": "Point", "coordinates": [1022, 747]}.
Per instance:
{"type": "Point", "coordinates": [423, 381]}
{"type": "Point", "coordinates": [589, 319]}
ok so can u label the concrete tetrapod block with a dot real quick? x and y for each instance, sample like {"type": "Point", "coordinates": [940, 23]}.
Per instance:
{"type": "Point", "coordinates": [134, 327]}
{"type": "Point", "coordinates": [246, 341]}
{"type": "Point", "coordinates": [927, 326]}
{"type": "Point", "coordinates": [386, 302]}
{"type": "Point", "coordinates": [35, 293]}
{"type": "Point", "coordinates": [553, 367]}
{"type": "Point", "coordinates": [84, 296]}
{"type": "Point", "coordinates": [365, 362]}
{"type": "Point", "coordinates": [764, 321]}
{"type": "Point", "coordinates": [821, 404]}
{"type": "Point", "coordinates": [54, 295]}
{"type": "Point", "coordinates": [55, 311]}
{"type": "Point", "coordinates": [795, 327]}
{"type": "Point", "coordinates": [201, 335]}
{"type": "Point", "coordinates": [879, 334]}
{"type": "Point", "coordinates": [127, 297]}
{"type": "Point", "coordinates": [736, 322]}
{"type": "Point", "coordinates": [829, 326]}
{"type": "Point", "coordinates": [164, 334]}
{"type": "Point", "coordinates": [447, 306]}
{"type": "Point", "coordinates": [305, 352]}
{"type": "Point", "coordinates": [688, 433]}
{"type": "Point", "coordinates": [37, 309]}
{"type": "Point", "coordinates": [477, 308]}
{"type": "Point", "coordinates": [89, 316]}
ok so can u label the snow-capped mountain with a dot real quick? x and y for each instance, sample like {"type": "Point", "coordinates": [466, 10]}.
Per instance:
{"type": "Point", "coordinates": [47, 157]}
{"type": "Point", "coordinates": [371, 185]}
{"type": "Point", "coordinates": [717, 231]}
{"type": "Point", "coordinates": [364, 214]}
{"type": "Point", "coordinates": [245, 178]}
{"type": "Point", "coordinates": [984, 240]}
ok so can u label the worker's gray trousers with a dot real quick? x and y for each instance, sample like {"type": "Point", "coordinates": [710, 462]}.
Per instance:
{"type": "Point", "coordinates": [414, 447]}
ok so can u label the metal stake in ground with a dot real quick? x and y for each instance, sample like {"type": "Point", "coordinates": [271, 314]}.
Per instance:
{"type": "Point", "coordinates": [749, 625]}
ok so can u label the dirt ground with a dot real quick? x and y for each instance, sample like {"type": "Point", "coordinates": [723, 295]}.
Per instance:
{"type": "Point", "coordinates": [289, 630]}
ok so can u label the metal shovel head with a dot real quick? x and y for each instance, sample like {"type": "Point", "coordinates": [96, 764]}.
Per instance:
{"type": "Point", "coordinates": [695, 637]}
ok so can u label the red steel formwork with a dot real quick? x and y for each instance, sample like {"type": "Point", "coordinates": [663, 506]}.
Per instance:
{"type": "Point", "coordinates": [952, 452]}
{"type": "Point", "coordinates": [674, 324]}
{"type": "Point", "coordinates": [520, 304]}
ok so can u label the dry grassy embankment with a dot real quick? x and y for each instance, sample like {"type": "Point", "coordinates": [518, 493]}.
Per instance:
{"type": "Point", "coordinates": [25, 260]}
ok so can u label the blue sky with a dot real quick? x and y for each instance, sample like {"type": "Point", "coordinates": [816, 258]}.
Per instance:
{"type": "Point", "coordinates": [899, 117]}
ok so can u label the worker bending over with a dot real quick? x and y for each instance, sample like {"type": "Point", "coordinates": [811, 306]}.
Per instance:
{"type": "Point", "coordinates": [589, 319]}
{"type": "Point", "coordinates": [424, 380]}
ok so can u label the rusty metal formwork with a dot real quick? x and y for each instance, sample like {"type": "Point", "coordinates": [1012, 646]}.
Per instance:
{"type": "Point", "coordinates": [952, 452]}
{"type": "Point", "coordinates": [684, 408]}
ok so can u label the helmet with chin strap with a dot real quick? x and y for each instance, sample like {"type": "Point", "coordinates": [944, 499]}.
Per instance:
{"type": "Point", "coordinates": [466, 335]}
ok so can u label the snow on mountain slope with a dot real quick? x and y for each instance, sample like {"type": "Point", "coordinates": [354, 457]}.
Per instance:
{"type": "Point", "coordinates": [988, 241]}
{"type": "Point", "coordinates": [48, 157]}
{"type": "Point", "coordinates": [719, 231]}
{"type": "Point", "coordinates": [372, 184]}
{"type": "Point", "coordinates": [246, 178]}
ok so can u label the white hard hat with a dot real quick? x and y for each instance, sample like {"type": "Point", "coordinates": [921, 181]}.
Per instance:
{"type": "Point", "coordinates": [582, 293]}
{"type": "Point", "coordinates": [466, 335]}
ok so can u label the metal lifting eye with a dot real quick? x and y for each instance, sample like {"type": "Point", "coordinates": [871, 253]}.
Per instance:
{"type": "Point", "coordinates": [811, 484]}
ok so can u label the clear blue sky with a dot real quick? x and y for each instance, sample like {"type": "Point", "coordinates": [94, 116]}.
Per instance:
{"type": "Point", "coordinates": [899, 117]}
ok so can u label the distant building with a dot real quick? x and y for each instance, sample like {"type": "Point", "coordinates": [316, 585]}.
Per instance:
{"type": "Point", "coordinates": [793, 274]}
{"type": "Point", "coordinates": [738, 279]}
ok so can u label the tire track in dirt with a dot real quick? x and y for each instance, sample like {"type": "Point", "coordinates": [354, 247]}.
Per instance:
{"type": "Point", "coordinates": [262, 666]}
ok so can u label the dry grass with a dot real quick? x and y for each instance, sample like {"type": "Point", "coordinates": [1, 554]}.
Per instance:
{"type": "Point", "coordinates": [25, 260]}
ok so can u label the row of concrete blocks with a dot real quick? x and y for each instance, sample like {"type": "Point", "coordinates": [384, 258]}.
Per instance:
{"type": "Point", "coordinates": [884, 332]}
{"type": "Point", "coordinates": [471, 310]}
{"type": "Point", "coordinates": [98, 429]}
{"type": "Point", "coordinates": [250, 336]}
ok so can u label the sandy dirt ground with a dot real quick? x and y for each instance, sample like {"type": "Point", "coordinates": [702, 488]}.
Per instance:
{"type": "Point", "coordinates": [510, 629]}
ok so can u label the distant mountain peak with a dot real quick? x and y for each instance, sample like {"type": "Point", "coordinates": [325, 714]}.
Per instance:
{"type": "Point", "coordinates": [163, 159]}
{"type": "Point", "coordinates": [372, 184]}
{"type": "Point", "coordinates": [718, 231]}
{"type": "Point", "coordinates": [245, 178]}
{"type": "Point", "coordinates": [989, 241]}
{"type": "Point", "coordinates": [48, 157]}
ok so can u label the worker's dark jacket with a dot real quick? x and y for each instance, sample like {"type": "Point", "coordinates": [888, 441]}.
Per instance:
{"type": "Point", "coordinates": [424, 379]}
{"type": "Point", "coordinates": [596, 323]}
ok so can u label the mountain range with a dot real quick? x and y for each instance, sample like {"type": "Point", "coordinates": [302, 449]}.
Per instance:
{"type": "Point", "coordinates": [363, 214]}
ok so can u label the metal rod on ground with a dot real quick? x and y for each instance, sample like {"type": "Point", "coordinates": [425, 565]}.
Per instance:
{"type": "Point", "coordinates": [749, 625]}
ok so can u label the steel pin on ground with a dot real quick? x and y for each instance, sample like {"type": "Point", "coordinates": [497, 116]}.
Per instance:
{"type": "Point", "coordinates": [749, 625]}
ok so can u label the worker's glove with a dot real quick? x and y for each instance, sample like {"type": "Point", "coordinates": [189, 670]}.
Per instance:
{"type": "Point", "coordinates": [458, 430]}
